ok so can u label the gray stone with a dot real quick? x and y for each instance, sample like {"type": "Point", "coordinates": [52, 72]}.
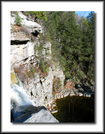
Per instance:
{"type": "Point", "coordinates": [32, 114]}
{"type": "Point", "coordinates": [43, 116]}
{"type": "Point", "coordinates": [80, 89]}
{"type": "Point", "coordinates": [19, 37]}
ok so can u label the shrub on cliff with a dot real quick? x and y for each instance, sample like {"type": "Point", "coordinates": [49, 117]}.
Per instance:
{"type": "Point", "coordinates": [37, 14]}
{"type": "Point", "coordinates": [17, 19]}
{"type": "Point", "coordinates": [43, 66]}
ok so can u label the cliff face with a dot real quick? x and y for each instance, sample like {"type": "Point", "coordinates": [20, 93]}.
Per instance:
{"type": "Point", "coordinates": [32, 63]}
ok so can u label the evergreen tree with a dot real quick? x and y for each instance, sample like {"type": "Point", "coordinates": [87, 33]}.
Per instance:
{"type": "Point", "coordinates": [72, 43]}
{"type": "Point", "coordinates": [17, 19]}
{"type": "Point", "coordinates": [37, 14]}
{"type": "Point", "coordinates": [91, 33]}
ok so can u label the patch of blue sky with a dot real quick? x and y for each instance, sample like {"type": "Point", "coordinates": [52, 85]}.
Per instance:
{"type": "Point", "coordinates": [82, 13]}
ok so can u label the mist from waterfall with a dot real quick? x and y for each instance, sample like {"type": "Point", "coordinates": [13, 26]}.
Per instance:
{"type": "Point", "coordinates": [19, 96]}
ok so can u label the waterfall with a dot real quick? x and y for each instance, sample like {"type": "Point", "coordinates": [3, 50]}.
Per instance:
{"type": "Point", "coordinates": [19, 96]}
{"type": "Point", "coordinates": [20, 83]}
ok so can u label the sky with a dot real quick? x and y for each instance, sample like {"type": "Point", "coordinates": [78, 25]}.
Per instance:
{"type": "Point", "coordinates": [82, 13]}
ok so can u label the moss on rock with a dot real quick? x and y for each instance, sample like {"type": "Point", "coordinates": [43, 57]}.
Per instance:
{"type": "Point", "coordinates": [13, 79]}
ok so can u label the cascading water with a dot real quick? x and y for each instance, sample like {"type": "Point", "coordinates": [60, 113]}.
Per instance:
{"type": "Point", "coordinates": [20, 83]}
{"type": "Point", "coordinates": [19, 98]}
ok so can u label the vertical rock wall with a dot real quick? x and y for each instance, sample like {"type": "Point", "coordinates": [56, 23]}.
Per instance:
{"type": "Point", "coordinates": [40, 85]}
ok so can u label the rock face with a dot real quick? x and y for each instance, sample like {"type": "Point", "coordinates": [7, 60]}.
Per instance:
{"type": "Point", "coordinates": [32, 26]}
{"type": "Point", "coordinates": [26, 64]}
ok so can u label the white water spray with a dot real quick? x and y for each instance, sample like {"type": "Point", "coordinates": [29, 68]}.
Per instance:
{"type": "Point", "coordinates": [19, 96]}
{"type": "Point", "coordinates": [20, 83]}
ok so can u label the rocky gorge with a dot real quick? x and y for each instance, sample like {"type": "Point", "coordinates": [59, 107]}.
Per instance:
{"type": "Point", "coordinates": [31, 62]}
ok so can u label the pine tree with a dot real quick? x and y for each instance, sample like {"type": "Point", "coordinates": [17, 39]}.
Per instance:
{"type": "Point", "coordinates": [72, 43]}
{"type": "Point", "coordinates": [37, 14]}
{"type": "Point", "coordinates": [17, 19]}
{"type": "Point", "coordinates": [91, 23]}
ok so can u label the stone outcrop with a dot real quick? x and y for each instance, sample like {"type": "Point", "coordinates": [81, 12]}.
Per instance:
{"type": "Point", "coordinates": [31, 26]}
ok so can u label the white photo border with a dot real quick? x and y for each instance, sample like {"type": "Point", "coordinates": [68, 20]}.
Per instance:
{"type": "Point", "coordinates": [8, 6]}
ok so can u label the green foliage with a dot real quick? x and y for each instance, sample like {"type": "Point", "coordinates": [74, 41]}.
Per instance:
{"type": "Point", "coordinates": [67, 75]}
{"type": "Point", "coordinates": [31, 72]}
{"type": "Point", "coordinates": [72, 44]}
{"type": "Point", "coordinates": [85, 22]}
{"type": "Point", "coordinates": [37, 14]}
{"type": "Point", "coordinates": [43, 65]}
{"type": "Point", "coordinates": [17, 19]}
{"type": "Point", "coordinates": [44, 37]}
{"type": "Point", "coordinates": [75, 109]}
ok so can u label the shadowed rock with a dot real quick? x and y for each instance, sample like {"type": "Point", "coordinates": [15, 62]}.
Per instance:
{"type": "Point", "coordinates": [32, 114]}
